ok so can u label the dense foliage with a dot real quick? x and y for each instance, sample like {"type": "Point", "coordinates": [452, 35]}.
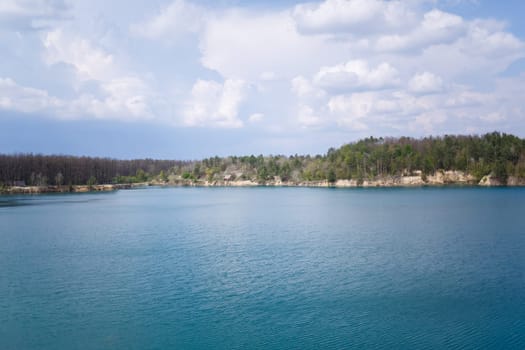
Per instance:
{"type": "Point", "coordinates": [41, 170]}
{"type": "Point", "coordinates": [498, 154]}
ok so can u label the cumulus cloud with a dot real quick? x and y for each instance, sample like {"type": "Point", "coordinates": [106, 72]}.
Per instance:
{"type": "Point", "coordinates": [307, 117]}
{"type": "Point", "coordinates": [493, 117]}
{"type": "Point", "coordinates": [31, 14]}
{"type": "Point", "coordinates": [425, 83]}
{"type": "Point", "coordinates": [467, 98]}
{"type": "Point", "coordinates": [436, 27]}
{"type": "Point", "coordinates": [256, 117]}
{"type": "Point", "coordinates": [486, 40]}
{"type": "Point", "coordinates": [356, 74]}
{"type": "Point", "coordinates": [337, 94]}
{"type": "Point", "coordinates": [116, 104]}
{"type": "Point", "coordinates": [178, 18]}
{"type": "Point", "coordinates": [361, 16]}
{"type": "Point", "coordinates": [304, 89]}
{"type": "Point", "coordinates": [214, 105]}
{"type": "Point", "coordinates": [89, 62]}
{"type": "Point", "coordinates": [120, 94]}
{"type": "Point", "coordinates": [245, 45]}
{"type": "Point", "coordinates": [353, 109]}
{"type": "Point", "coordinates": [125, 97]}
{"type": "Point", "coordinates": [359, 109]}
{"type": "Point", "coordinates": [349, 64]}
{"type": "Point", "coordinates": [25, 99]}
{"type": "Point", "coordinates": [428, 121]}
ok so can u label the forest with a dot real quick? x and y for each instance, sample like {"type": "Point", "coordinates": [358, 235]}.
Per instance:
{"type": "Point", "coordinates": [497, 154]}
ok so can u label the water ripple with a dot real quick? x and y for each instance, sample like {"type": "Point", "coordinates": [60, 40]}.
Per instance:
{"type": "Point", "coordinates": [264, 269]}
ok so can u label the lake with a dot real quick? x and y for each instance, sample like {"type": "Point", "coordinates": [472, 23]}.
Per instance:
{"type": "Point", "coordinates": [264, 268]}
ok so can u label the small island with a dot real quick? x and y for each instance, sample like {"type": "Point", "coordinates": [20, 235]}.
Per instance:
{"type": "Point", "coordinates": [493, 159]}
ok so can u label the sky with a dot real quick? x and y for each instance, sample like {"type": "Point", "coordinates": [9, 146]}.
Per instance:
{"type": "Point", "coordinates": [187, 79]}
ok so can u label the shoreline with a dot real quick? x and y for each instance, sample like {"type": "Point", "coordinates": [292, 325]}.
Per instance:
{"type": "Point", "coordinates": [439, 179]}
{"type": "Point", "coordinates": [66, 189]}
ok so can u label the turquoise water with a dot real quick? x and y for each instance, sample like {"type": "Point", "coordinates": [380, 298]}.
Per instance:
{"type": "Point", "coordinates": [264, 268]}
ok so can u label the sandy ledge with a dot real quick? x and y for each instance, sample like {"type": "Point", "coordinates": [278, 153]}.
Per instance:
{"type": "Point", "coordinates": [440, 178]}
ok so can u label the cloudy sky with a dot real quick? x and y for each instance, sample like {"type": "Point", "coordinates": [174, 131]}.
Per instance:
{"type": "Point", "coordinates": [192, 78]}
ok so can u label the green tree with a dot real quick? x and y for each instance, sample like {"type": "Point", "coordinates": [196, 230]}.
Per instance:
{"type": "Point", "coordinates": [262, 173]}
{"type": "Point", "coordinates": [331, 176]}
{"type": "Point", "coordinates": [162, 176]}
{"type": "Point", "coordinates": [92, 181]}
{"type": "Point", "coordinates": [500, 171]}
{"type": "Point", "coordinates": [197, 169]}
{"type": "Point", "coordinates": [140, 176]}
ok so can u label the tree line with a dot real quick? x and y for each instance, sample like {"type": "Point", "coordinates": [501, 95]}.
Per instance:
{"type": "Point", "coordinates": [498, 154]}
{"type": "Point", "coordinates": [42, 170]}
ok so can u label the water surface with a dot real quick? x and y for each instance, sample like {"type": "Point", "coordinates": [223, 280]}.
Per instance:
{"type": "Point", "coordinates": [268, 268]}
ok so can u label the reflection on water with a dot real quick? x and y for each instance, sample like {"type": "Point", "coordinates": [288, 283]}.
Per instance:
{"type": "Point", "coordinates": [11, 203]}
{"type": "Point", "coordinates": [7, 201]}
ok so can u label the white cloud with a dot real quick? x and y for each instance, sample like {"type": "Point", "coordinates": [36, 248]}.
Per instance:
{"type": "Point", "coordinates": [467, 98]}
{"type": "Point", "coordinates": [268, 76]}
{"type": "Point", "coordinates": [487, 40]}
{"type": "Point", "coordinates": [355, 106]}
{"type": "Point", "coordinates": [428, 122]}
{"type": "Point", "coordinates": [352, 110]}
{"type": "Point", "coordinates": [390, 109]}
{"type": "Point", "coordinates": [123, 95]}
{"type": "Point", "coordinates": [31, 14]}
{"type": "Point", "coordinates": [345, 64]}
{"type": "Point", "coordinates": [25, 99]}
{"type": "Point", "coordinates": [493, 117]}
{"type": "Point", "coordinates": [214, 105]}
{"type": "Point", "coordinates": [174, 20]}
{"type": "Point", "coordinates": [356, 16]}
{"type": "Point", "coordinates": [256, 118]}
{"type": "Point", "coordinates": [307, 117]}
{"type": "Point", "coordinates": [356, 74]}
{"type": "Point", "coordinates": [441, 25]}
{"type": "Point", "coordinates": [436, 27]}
{"type": "Point", "coordinates": [397, 59]}
{"type": "Point", "coordinates": [304, 89]}
{"type": "Point", "coordinates": [425, 83]}
{"type": "Point", "coordinates": [324, 99]}
{"type": "Point", "coordinates": [310, 100]}
{"type": "Point", "coordinates": [117, 104]}
{"type": "Point", "coordinates": [88, 61]}
{"type": "Point", "coordinates": [126, 96]}
{"type": "Point", "coordinates": [246, 45]}
{"type": "Point", "coordinates": [30, 8]}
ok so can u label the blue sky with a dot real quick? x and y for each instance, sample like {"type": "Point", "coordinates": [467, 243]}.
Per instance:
{"type": "Point", "coordinates": [190, 79]}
